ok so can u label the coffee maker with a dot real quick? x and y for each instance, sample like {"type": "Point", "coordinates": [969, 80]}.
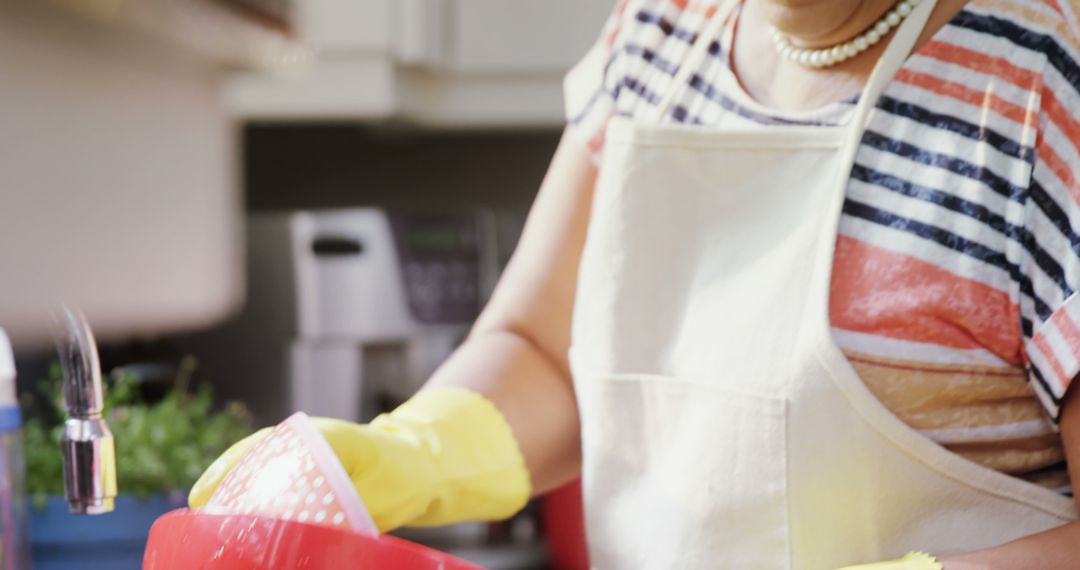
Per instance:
{"type": "Point", "coordinates": [381, 300]}
{"type": "Point", "coordinates": [349, 311]}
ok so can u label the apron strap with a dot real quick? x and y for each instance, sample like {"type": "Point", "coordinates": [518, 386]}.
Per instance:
{"type": "Point", "coordinates": [892, 60]}
{"type": "Point", "coordinates": [697, 55]}
{"type": "Point", "coordinates": [895, 54]}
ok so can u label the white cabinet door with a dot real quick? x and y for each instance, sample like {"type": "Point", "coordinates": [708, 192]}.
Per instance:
{"type": "Point", "coordinates": [439, 62]}
{"type": "Point", "coordinates": [522, 35]}
{"type": "Point", "coordinates": [117, 182]}
{"type": "Point", "coordinates": [335, 26]}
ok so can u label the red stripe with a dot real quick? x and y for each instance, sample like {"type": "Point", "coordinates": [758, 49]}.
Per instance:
{"type": "Point", "coordinates": [595, 143]}
{"type": "Point", "coordinates": [982, 99]}
{"type": "Point", "coordinates": [1067, 123]}
{"type": "Point", "coordinates": [1023, 78]}
{"type": "Point", "coordinates": [885, 293]}
{"type": "Point", "coordinates": [705, 8]}
{"type": "Point", "coordinates": [1070, 333]}
{"type": "Point", "coordinates": [610, 37]}
{"type": "Point", "coordinates": [981, 62]}
{"type": "Point", "coordinates": [1061, 116]}
{"type": "Point", "coordinates": [1059, 167]}
{"type": "Point", "coordinates": [1048, 353]}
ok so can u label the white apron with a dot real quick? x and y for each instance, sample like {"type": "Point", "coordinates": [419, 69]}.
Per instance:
{"type": "Point", "coordinates": [721, 425]}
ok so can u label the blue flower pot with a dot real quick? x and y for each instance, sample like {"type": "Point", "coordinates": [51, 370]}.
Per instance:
{"type": "Point", "coordinates": [63, 541]}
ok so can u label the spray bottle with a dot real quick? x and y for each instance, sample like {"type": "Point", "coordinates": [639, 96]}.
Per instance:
{"type": "Point", "coordinates": [14, 551]}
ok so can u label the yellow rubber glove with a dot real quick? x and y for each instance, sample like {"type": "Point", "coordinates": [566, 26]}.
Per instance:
{"type": "Point", "coordinates": [911, 561]}
{"type": "Point", "coordinates": [447, 455]}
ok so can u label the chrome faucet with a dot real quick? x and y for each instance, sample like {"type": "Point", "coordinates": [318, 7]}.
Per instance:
{"type": "Point", "coordinates": [87, 444]}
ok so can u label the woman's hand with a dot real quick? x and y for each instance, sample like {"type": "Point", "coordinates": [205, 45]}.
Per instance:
{"type": "Point", "coordinates": [443, 457]}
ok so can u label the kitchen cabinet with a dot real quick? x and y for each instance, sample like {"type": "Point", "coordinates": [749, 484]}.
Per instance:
{"type": "Point", "coordinates": [459, 63]}
{"type": "Point", "coordinates": [117, 176]}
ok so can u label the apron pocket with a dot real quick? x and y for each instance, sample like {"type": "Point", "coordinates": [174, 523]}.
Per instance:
{"type": "Point", "coordinates": [683, 474]}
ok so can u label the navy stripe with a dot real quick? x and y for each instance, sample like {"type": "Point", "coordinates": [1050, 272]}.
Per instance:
{"type": "Point", "coordinates": [588, 106]}
{"type": "Point", "coordinates": [651, 58]}
{"type": "Point", "coordinates": [613, 94]}
{"type": "Point", "coordinates": [637, 87]}
{"type": "Point", "coordinates": [1036, 193]}
{"type": "Point", "coordinates": [682, 115]}
{"type": "Point", "coordinates": [1037, 375]}
{"type": "Point", "coordinates": [972, 210]}
{"type": "Point", "coordinates": [716, 49]}
{"type": "Point", "coordinates": [601, 91]}
{"type": "Point", "coordinates": [998, 184]}
{"type": "Point", "coordinates": [631, 83]}
{"type": "Point", "coordinates": [699, 84]}
{"type": "Point", "coordinates": [1054, 213]}
{"type": "Point", "coordinates": [1027, 38]}
{"type": "Point", "coordinates": [666, 26]}
{"type": "Point", "coordinates": [952, 241]}
{"type": "Point", "coordinates": [956, 125]}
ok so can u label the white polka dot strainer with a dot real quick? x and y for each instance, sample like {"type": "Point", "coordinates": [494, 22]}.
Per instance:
{"type": "Point", "coordinates": [294, 475]}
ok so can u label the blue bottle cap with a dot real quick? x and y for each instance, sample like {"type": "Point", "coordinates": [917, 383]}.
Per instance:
{"type": "Point", "coordinates": [10, 418]}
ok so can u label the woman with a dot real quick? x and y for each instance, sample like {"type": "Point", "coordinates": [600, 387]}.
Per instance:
{"type": "Point", "coordinates": [797, 292]}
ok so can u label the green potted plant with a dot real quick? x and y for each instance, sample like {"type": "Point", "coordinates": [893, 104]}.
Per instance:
{"type": "Point", "coordinates": [163, 443]}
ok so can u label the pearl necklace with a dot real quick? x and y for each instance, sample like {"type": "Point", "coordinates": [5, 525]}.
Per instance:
{"type": "Point", "coordinates": [827, 57]}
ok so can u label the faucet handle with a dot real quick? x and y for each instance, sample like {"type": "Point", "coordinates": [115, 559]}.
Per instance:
{"type": "Point", "coordinates": [89, 455]}
{"type": "Point", "coordinates": [87, 444]}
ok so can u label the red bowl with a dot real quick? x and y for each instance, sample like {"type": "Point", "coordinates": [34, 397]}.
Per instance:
{"type": "Point", "coordinates": [562, 518]}
{"type": "Point", "coordinates": [191, 540]}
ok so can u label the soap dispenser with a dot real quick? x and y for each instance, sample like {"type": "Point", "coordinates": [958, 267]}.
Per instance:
{"type": "Point", "coordinates": [14, 551]}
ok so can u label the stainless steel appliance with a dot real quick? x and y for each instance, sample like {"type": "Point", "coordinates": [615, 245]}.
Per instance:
{"type": "Point", "coordinates": [381, 299]}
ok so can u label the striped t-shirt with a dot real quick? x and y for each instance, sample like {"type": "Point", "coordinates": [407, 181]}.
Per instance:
{"type": "Point", "coordinates": [958, 254]}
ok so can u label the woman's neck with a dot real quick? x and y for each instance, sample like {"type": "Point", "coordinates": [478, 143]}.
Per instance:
{"type": "Point", "coordinates": [823, 23]}
{"type": "Point", "coordinates": [778, 83]}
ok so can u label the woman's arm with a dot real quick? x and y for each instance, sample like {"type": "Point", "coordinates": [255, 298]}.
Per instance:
{"type": "Point", "coordinates": [1052, 550]}
{"type": "Point", "coordinates": [516, 355]}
